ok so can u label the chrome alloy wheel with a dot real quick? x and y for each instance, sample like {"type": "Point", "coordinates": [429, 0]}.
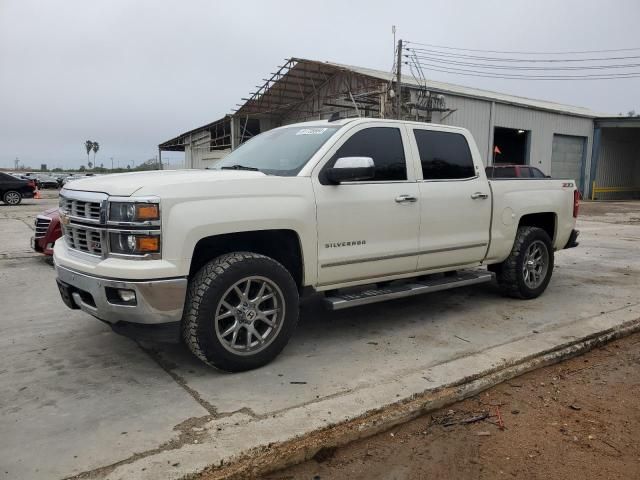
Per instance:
{"type": "Point", "coordinates": [249, 315]}
{"type": "Point", "coordinates": [12, 198]}
{"type": "Point", "coordinates": [535, 264]}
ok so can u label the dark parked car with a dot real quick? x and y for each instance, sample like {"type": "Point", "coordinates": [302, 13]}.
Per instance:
{"type": "Point", "coordinates": [48, 182]}
{"type": "Point", "coordinates": [48, 230]}
{"type": "Point", "coordinates": [13, 190]}
{"type": "Point", "coordinates": [514, 171]}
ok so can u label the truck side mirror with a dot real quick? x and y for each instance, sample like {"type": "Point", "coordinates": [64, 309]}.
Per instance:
{"type": "Point", "coordinates": [351, 169]}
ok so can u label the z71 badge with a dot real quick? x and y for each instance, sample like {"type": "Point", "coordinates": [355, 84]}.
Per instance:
{"type": "Point", "coordinates": [352, 243]}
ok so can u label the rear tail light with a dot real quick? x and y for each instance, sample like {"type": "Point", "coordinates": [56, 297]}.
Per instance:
{"type": "Point", "coordinates": [576, 203]}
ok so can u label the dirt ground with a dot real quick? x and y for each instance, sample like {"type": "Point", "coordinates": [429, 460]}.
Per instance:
{"type": "Point", "coordinates": [611, 212]}
{"type": "Point", "coordinates": [577, 419]}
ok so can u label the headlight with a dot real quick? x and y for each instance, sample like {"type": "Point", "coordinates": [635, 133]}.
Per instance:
{"type": "Point", "coordinates": [132, 212]}
{"type": "Point", "coordinates": [134, 243]}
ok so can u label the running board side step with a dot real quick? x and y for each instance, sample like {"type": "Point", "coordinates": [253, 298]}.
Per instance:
{"type": "Point", "coordinates": [460, 279]}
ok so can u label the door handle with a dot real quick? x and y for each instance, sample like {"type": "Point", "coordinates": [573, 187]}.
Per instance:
{"type": "Point", "coordinates": [406, 199]}
{"type": "Point", "coordinates": [479, 195]}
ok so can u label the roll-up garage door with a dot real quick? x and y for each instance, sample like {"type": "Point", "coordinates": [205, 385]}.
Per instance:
{"type": "Point", "coordinates": [567, 157]}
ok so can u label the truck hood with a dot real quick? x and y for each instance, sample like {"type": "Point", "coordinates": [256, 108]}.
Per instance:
{"type": "Point", "coordinates": [126, 184]}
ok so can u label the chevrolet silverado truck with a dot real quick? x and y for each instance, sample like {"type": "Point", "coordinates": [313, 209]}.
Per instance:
{"type": "Point", "coordinates": [358, 210]}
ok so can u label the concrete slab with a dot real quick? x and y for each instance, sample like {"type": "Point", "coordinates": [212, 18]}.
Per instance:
{"type": "Point", "coordinates": [70, 398]}
{"type": "Point", "coordinates": [14, 232]}
{"type": "Point", "coordinates": [181, 417]}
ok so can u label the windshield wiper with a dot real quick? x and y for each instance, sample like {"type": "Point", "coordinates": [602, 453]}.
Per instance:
{"type": "Point", "coordinates": [240, 167]}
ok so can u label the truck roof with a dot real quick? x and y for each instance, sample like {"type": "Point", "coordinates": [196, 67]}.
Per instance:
{"type": "Point", "coordinates": [356, 120]}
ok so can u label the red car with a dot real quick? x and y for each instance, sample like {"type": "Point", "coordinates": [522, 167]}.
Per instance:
{"type": "Point", "coordinates": [514, 171]}
{"type": "Point", "coordinates": [48, 230]}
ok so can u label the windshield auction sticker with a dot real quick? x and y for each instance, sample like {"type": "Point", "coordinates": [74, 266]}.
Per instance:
{"type": "Point", "coordinates": [311, 131]}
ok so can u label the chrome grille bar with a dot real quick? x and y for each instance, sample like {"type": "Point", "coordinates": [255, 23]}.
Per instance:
{"type": "Point", "coordinates": [42, 225]}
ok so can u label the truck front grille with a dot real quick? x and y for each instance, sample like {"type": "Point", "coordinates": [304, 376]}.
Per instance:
{"type": "Point", "coordinates": [80, 208]}
{"type": "Point", "coordinates": [42, 225]}
{"type": "Point", "coordinates": [83, 239]}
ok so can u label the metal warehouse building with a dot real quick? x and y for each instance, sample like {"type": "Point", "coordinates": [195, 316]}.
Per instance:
{"type": "Point", "coordinates": [563, 141]}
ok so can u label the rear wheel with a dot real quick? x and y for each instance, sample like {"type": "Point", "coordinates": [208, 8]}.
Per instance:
{"type": "Point", "coordinates": [12, 197]}
{"type": "Point", "coordinates": [527, 271]}
{"type": "Point", "coordinates": [242, 308]}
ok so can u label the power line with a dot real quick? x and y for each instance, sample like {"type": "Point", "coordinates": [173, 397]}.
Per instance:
{"type": "Point", "coordinates": [518, 60]}
{"type": "Point", "coordinates": [516, 67]}
{"type": "Point", "coordinates": [476, 73]}
{"type": "Point", "coordinates": [566, 52]}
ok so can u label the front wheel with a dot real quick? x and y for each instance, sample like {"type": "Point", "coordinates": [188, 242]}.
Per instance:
{"type": "Point", "coordinates": [241, 310]}
{"type": "Point", "coordinates": [527, 271]}
{"type": "Point", "coordinates": [12, 197]}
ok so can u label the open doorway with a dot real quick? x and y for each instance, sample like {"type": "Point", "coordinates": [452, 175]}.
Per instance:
{"type": "Point", "coordinates": [510, 145]}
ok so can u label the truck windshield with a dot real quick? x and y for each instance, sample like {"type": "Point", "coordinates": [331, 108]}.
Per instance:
{"type": "Point", "coordinates": [282, 152]}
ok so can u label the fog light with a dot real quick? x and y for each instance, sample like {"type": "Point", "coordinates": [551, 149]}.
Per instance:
{"type": "Point", "coordinates": [127, 296]}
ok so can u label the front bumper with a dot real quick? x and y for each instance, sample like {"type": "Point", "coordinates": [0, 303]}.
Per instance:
{"type": "Point", "coordinates": [156, 301]}
{"type": "Point", "coordinates": [44, 244]}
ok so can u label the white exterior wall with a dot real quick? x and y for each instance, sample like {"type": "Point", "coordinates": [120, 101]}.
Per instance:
{"type": "Point", "coordinates": [197, 153]}
{"type": "Point", "coordinates": [203, 158]}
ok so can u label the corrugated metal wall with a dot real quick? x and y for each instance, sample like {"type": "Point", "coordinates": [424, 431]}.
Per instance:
{"type": "Point", "coordinates": [619, 162]}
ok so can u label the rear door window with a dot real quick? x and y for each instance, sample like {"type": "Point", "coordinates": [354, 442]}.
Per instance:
{"type": "Point", "coordinates": [525, 172]}
{"type": "Point", "coordinates": [537, 173]}
{"type": "Point", "coordinates": [444, 155]}
{"type": "Point", "coordinates": [505, 172]}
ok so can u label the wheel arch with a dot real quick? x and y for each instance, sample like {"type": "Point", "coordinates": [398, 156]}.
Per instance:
{"type": "Point", "coordinates": [547, 221]}
{"type": "Point", "coordinates": [283, 245]}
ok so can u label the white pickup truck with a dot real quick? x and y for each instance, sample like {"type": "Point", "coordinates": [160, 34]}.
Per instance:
{"type": "Point", "coordinates": [359, 210]}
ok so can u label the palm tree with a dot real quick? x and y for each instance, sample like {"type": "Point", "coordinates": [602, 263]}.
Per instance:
{"type": "Point", "coordinates": [96, 147]}
{"type": "Point", "coordinates": [89, 146]}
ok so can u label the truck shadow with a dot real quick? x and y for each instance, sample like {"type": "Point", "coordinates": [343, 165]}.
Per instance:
{"type": "Point", "coordinates": [319, 329]}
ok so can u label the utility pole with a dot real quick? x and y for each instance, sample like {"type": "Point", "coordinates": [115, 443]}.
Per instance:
{"type": "Point", "coordinates": [111, 163]}
{"type": "Point", "coordinates": [399, 81]}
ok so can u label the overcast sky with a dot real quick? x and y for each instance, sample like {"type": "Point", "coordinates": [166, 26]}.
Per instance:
{"type": "Point", "coordinates": [131, 74]}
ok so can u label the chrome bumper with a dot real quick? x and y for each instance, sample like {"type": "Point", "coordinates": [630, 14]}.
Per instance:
{"type": "Point", "coordinates": [157, 301]}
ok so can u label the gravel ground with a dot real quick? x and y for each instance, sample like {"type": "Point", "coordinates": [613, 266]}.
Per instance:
{"type": "Point", "coordinates": [576, 419]}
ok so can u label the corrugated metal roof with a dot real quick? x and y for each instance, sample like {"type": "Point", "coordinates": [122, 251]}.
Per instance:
{"type": "Point", "coordinates": [274, 95]}
{"type": "Point", "coordinates": [443, 87]}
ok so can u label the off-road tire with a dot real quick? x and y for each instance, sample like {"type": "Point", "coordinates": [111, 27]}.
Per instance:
{"type": "Point", "coordinates": [206, 289]}
{"type": "Point", "coordinates": [509, 273]}
{"type": "Point", "coordinates": [9, 197]}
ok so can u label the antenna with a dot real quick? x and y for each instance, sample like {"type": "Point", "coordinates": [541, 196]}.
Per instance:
{"type": "Point", "coordinates": [393, 31]}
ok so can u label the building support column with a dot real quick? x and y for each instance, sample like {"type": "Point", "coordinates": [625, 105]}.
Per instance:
{"type": "Point", "coordinates": [595, 154]}
{"type": "Point", "coordinates": [492, 124]}
{"type": "Point", "coordinates": [234, 132]}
